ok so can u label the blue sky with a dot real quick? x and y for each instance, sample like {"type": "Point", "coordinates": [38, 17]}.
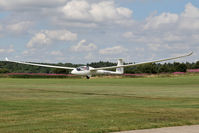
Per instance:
{"type": "Point", "coordinates": [82, 31]}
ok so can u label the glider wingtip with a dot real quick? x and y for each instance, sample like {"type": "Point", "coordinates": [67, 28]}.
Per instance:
{"type": "Point", "coordinates": [6, 59]}
{"type": "Point", "coordinates": [190, 53]}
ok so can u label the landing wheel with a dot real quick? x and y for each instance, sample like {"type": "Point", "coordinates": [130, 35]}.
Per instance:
{"type": "Point", "coordinates": [87, 77]}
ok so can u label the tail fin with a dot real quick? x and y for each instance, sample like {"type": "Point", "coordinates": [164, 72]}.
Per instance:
{"type": "Point", "coordinates": [121, 69]}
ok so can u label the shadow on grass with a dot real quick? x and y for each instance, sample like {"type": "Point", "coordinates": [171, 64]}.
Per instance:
{"type": "Point", "coordinates": [107, 94]}
{"type": "Point", "coordinates": [83, 93]}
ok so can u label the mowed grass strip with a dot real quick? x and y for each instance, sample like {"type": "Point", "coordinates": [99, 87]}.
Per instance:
{"type": "Point", "coordinates": [97, 105]}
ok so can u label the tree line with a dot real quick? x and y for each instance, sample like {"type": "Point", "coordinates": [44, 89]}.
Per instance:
{"type": "Point", "coordinates": [8, 67]}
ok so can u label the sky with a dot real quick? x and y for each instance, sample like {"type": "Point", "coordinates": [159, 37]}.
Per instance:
{"type": "Point", "coordinates": [84, 31]}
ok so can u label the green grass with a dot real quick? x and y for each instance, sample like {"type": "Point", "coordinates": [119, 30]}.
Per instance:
{"type": "Point", "coordinates": [97, 105]}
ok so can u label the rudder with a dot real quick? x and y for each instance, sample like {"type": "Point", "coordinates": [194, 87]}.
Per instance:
{"type": "Point", "coordinates": [121, 69]}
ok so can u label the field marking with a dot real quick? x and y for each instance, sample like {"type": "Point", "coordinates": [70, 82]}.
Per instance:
{"type": "Point", "coordinates": [179, 129]}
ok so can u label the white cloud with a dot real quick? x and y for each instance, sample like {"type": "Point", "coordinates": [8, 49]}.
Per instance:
{"type": "Point", "coordinates": [25, 52]}
{"type": "Point", "coordinates": [2, 50]}
{"type": "Point", "coordinates": [74, 24]}
{"type": "Point", "coordinates": [190, 11]}
{"type": "Point", "coordinates": [56, 53]}
{"type": "Point", "coordinates": [154, 22]}
{"type": "Point", "coordinates": [189, 18]}
{"type": "Point", "coordinates": [140, 49]}
{"type": "Point", "coordinates": [61, 35]}
{"type": "Point", "coordinates": [171, 37]}
{"type": "Point", "coordinates": [40, 39]}
{"type": "Point", "coordinates": [18, 27]}
{"type": "Point", "coordinates": [82, 47]}
{"type": "Point", "coordinates": [98, 12]}
{"type": "Point", "coordinates": [154, 47]}
{"type": "Point", "coordinates": [124, 12]}
{"type": "Point", "coordinates": [76, 9]}
{"type": "Point", "coordinates": [165, 47]}
{"type": "Point", "coordinates": [46, 37]}
{"type": "Point", "coordinates": [15, 27]}
{"type": "Point", "coordinates": [106, 10]}
{"type": "Point", "coordinates": [128, 35]}
{"type": "Point", "coordinates": [189, 24]}
{"type": "Point", "coordinates": [9, 50]}
{"type": "Point", "coordinates": [113, 50]}
{"type": "Point", "coordinates": [64, 13]}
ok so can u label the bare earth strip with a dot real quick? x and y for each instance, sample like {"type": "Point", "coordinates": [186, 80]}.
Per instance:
{"type": "Point", "coordinates": [181, 129]}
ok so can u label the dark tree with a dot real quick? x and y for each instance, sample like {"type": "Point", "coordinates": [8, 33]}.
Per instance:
{"type": "Point", "coordinates": [196, 65]}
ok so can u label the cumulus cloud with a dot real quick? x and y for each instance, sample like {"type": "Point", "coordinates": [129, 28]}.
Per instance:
{"type": "Point", "coordinates": [8, 50]}
{"type": "Point", "coordinates": [61, 35]}
{"type": "Point", "coordinates": [82, 47]}
{"type": "Point", "coordinates": [56, 53]}
{"type": "Point", "coordinates": [19, 27]}
{"type": "Point", "coordinates": [106, 10]}
{"type": "Point", "coordinates": [154, 47]}
{"type": "Point", "coordinates": [170, 37]}
{"type": "Point", "coordinates": [154, 22]}
{"type": "Point", "coordinates": [189, 18]}
{"type": "Point", "coordinates": [128, 35]}
{"type": "Point", "coordinates": [76, 9]}
{"type": "Point", "coordinates": [102, 11]}
{"type": "Point", "coordinates": [157, 38]}
{"type": "Point", "coordinates": [73, 13]}
{"type": "Point", "coordinates": [113, 50]}
{"type": "Point", "coordinates": [167, 32]}
{"type": "Point", "coordinates": [46, 37]}
{"type": "Point", "coordinates": [15, 28]}
{"type": "Point", "coordinates": [189, 24]}
{"type": "Point", "coordinates": [40, 39]}
{"type": "Point", "coordinates": [190, 11]}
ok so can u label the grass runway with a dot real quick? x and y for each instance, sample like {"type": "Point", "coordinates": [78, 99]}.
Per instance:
{"type": "Point", "coordinates": [97, 105]}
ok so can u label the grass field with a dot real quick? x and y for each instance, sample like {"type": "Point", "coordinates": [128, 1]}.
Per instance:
{"type": "Point", "coordinates": [97, 105]}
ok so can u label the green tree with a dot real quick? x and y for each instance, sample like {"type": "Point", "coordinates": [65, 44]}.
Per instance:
{"type": "Point", "coordinates": [196, 66]}
{"type": "Point", "coordinates": [4, 70]}
{"type": "Point", "coordinates": [181, 68]}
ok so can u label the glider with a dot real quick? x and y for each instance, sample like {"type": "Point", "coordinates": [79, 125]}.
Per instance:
{"type": "Point", "coordinates": [88, 71]}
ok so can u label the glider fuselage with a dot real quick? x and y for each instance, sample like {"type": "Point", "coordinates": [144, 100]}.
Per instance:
{"type": "Point", "coordinates": [87, 70]}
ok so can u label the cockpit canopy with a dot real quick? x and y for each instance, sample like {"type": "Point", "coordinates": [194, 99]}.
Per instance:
{"type": "Point", "coordinates": [82, 68]}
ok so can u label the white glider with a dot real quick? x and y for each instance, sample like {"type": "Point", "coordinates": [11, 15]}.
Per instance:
{"type": "Point", "coordinates": [88, 71]}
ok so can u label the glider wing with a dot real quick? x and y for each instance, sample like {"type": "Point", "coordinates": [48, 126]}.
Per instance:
{"type": "Point", "coordinates": [41, 65]}
{"type": "Point", "coordinates": [130, 65]}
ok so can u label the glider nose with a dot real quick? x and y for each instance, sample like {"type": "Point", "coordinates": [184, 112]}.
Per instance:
{"type": "Point", "coordinates": [73, 71]}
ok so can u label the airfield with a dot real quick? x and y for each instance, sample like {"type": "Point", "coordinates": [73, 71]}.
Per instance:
{"type": "Point", "coordinates": [99, 105]}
